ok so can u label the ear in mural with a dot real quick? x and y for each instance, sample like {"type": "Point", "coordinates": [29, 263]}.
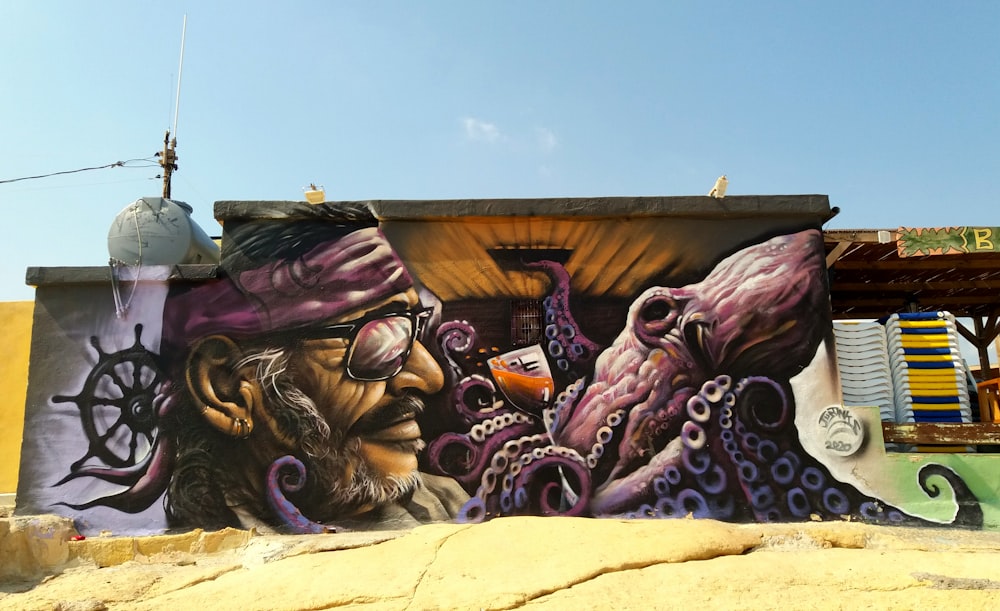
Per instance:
{"type": "Point", "coordinates": [689, 411]}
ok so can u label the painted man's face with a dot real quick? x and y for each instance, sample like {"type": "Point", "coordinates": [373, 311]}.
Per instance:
{"type": "Point", "coordinates": [367, 386]}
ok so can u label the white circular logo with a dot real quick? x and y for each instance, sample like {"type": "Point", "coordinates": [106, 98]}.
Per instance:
{"type": "Point", "coordinates": [844, 433]}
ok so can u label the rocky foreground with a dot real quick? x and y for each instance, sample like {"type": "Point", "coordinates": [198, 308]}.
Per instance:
{"type": "Point", "coordinates": [509, 563]}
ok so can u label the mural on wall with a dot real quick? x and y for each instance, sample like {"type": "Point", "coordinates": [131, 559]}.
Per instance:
{"type": "Point", "coordinates": [689, 411]}
{"type": "Point", "coordinates": [320, 385]}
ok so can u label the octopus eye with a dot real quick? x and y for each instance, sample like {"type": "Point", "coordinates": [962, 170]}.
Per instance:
{"type": "Point", "coordinates": [657, 309]}
{"type": "Point", "coordinates": [656, 318]}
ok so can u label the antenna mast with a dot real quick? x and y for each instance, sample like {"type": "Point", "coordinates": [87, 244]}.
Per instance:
{"type": "Point", "coordinates": [168, 158]}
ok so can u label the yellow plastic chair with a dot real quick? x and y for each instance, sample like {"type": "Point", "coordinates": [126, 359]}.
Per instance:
{"type": "Point", "coordinates": [989, 400]}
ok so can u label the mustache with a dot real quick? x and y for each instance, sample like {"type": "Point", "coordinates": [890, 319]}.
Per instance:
{"type": "Point", "coordinates": [405, 408]}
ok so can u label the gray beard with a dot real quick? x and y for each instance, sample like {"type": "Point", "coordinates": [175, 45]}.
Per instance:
{"type": "Point", "coordinates": [365, 488]}
{"type": "Point", "coordinates": [327, 455]}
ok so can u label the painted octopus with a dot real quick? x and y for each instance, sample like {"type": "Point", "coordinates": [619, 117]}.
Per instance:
{"type": "Point", "coordinates": [690, 411]}
{"type": "Point", "coordinates": [750, 316]}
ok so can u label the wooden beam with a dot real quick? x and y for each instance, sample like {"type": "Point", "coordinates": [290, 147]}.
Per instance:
{"type": "Point", "coordinates": [913, 263]}
{"type": "Point", "coordinates": [858, 235]}
{"type": "Point", "coordinates": [861, 314]}
{"type": "Point", "coordinates": [834, 254]}
{"type": "Point", "coordinates": [991, 328]}
{"type": "Point", "coordinates": [929, 433]}
{"type": "Point", "coordinates": [982, 344]}
{"type": "Point", "coordinates": [874, 311]}
{"type": "Point", "coordinates": [924, 301]}
{"type": "Point", "coordinates": [964, 332]}
{"type": "Point", "coordinates": [908, 287]}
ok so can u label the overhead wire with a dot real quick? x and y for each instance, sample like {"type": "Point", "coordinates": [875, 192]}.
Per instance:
{"type": "Point", "coordinates": [150, 162]}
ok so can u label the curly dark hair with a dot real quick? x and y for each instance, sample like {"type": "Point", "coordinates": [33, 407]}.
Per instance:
{"type": "Point", "coordinates": [288, 230]}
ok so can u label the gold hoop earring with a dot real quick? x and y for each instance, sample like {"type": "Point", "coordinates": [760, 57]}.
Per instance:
{"type": "Point", "coordinates": [241, 428]}
{"type": "Point", "coordinates": [231, 425]}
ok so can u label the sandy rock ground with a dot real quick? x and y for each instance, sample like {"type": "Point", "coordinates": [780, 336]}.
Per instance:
{"type": "Point", "coordinates": [533, 563]}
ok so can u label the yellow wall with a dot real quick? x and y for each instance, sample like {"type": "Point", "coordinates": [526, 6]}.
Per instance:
{"type": "Point", "coordinates": [15, 337]}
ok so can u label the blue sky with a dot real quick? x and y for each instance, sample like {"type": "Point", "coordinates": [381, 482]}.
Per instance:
{"type": "Point", "coordinates": [890, 108]}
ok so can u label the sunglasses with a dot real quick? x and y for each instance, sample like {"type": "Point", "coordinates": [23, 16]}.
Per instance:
{"type": "Point", "coordinates": [378, 345]}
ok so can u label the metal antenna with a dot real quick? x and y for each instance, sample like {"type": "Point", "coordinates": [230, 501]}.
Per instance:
{"type": "Point", "coordinates": [168, 159]}
{"type": "Point", "coordinates": [180, 71]}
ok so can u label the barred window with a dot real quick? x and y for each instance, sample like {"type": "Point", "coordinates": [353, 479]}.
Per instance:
{"type": "Point", "coordinates": [526, 322]}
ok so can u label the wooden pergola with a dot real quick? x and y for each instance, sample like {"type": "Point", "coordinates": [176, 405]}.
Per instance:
{"type": "Point", "coordinates": [870, 281]}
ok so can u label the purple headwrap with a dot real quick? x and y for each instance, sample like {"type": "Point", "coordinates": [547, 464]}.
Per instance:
{"type": "Point", "coordinates": [329, 281]}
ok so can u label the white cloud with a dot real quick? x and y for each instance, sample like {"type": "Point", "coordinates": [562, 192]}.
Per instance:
{"type": "Point", "coordinates": [546, 139]}
{"type": "Point", "coordinates": [478, 130]}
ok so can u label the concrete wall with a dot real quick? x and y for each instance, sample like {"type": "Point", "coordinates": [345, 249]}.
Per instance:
{"type": "Point", "coordinates": [385, 364]}
{"type": "Point", "coordinates": [15, 323]}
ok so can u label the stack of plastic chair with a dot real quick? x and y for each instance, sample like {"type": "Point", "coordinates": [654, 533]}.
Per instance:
{"type": "Point", "coordinates": [865, 375]}
{"type": "Point", "coordinates": [863, 363]}
{"type": "Point", "coordinates": [928, 372]}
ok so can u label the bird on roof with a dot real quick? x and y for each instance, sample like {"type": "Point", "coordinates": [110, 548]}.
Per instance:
{"type": "Point", "coordinates": [719, 190]}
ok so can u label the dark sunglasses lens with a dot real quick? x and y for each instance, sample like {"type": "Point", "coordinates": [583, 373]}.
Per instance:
{"type": "Point", "coordinates": [380, 348]}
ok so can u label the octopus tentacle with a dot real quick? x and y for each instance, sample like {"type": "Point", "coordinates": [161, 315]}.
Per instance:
{"type": "Point", "coordinates": [465, 456]}
{"type": "Point", "coordinates": [524, 477]}
{"type": "Point", "coordinates": [455, 338]}
{"type": "Point", "coordinates": [280, 479]}
{"type": "Point", "coordinates": [565, 341]}
{"type": "Point", "coordinates": [969, 513]}
{"type": "Point", "coordinates": [475, 398]}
